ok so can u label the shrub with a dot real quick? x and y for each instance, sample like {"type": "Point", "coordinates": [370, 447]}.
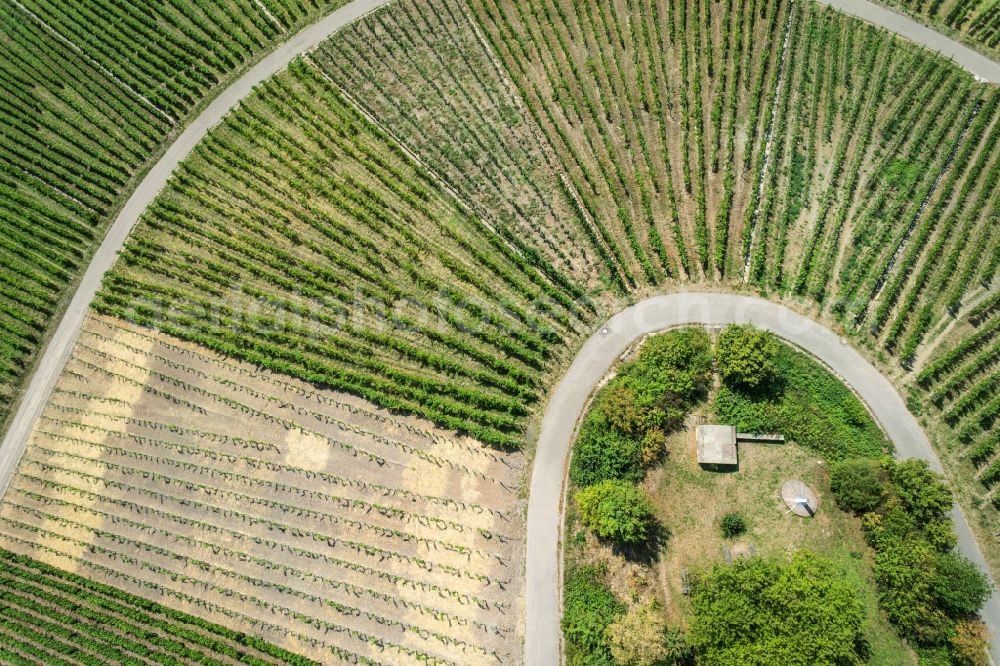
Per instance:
{"type": "Point", "coordinates": [940, 533]}
{"type": "Point", "coordinates": [680, 361]}
{"type": "Point", "coordinates": [923, 491]}
{"type": "Point", "coordinates": [653, 447]}
{"type": "Point", "coordinates": [970, 644]}
{"type": "Point", "coordinates": [959, 587]}
{"type": "Point", "coordinates": [588, 608]}
{"type": "Point", "coordinates": [857, 485]}
{"type": "Point", "coordinates": [622, 410]}
{"type": "Point", "coordinates": [770, 612]}
{"type": "Point", "coordinates": [733, 525]}
{"type": "Point", "coordinates": [807, 404]}
{"type": "Point", "coordinates": [642, 637]}
{"type": "Point", "coordinates": [746, 355]}
{"type": "Point", "coordinates": [617, 511]}
{"type": "Point", "coordinates": [602, 452]}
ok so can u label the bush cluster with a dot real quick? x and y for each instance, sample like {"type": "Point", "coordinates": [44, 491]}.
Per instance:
{"type": "Point", "coordinates": [625, 431]}
{"type": "Point", "coordinates": [929, 592]}
{"type": "Point", "coordinates": [762, 611]}
{"type": "Point", "coordinates": [589, 607]}
{"type": "Point", "coordinates": [806, 403]}
{"type": "Point", "coordinates": [617, 511]}
{"type": "Point", "coordinates": [624, 434]}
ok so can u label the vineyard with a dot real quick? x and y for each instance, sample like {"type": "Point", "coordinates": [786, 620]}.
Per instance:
{"type": "Point", "coordinates": [375, 282]}
{"type": "Point", "coordinates": [55, 616]}
{"type": "Point", "coordinates": [961, 383]}
{"type": "Point", "coordinates": [733, 143]}
{"type": "Point", "coordinates": [82, 119]}
{"type": "Point", "coordinates": [308, 517]}
{"type": "Point", "coordinates": [978, 21]}
{"type": "Point", "coordinates": [299, 403]}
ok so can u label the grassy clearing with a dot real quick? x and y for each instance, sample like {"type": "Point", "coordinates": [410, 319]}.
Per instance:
{"type": "Point", "coordinates": [692, 503]}
{"type": "Point", "coordinates": [805, 400]}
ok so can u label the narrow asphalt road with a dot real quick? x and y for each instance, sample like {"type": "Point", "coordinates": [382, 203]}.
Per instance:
{"type": "Point", "coordinates": [543, 583]}
{"type": "Point", "coordinates": [973, 62]}
{"type": "Point", "coordinates": [58, 350]}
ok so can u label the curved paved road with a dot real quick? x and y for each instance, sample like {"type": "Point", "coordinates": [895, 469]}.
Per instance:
{"type": "Point", "coordinates": [973, 62]}
{"type": "Point", "coordinates": [545, 502]}
{"type": "Point", "coordinates": [60, 346]}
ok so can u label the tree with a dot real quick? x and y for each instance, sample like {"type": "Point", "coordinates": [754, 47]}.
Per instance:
{"type": "Point", "coordinates": [678, 362]}
{"type": "Point", "coordinates": [904, 573]}
{"type": "Point", "coordinates": [759, 611]}
{"type": "Point", "coordinates": [958, 585]}
{"type": "Point", "coordinates": [621, 407]}
{"type": "Point", "coordinates": [642, 637]}
{"type": "Point", "coordinates": [588, 608]}
{"type": "Point", "coordinates": [671, 372]}
{"type": "Point", "coordinates": [940, 533]}
{"type": "Point", "coordinates": [602, 452]}
{"type": "Point", "coordinates": [857, 484]}
{"type": "Point", "coordinates": [923, 491]}
{"type": "Point", "coordinates": [746, 355]}
{"type": "Point", "coordinates": [616, 510]}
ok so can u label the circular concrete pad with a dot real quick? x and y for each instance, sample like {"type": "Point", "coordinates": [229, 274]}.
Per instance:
{"type": "Point", "coordinates": [799, 498]}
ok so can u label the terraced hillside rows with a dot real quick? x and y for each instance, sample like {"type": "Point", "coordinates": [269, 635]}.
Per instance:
{"type": "Point", "coordinates": [740, 143]}
{"type": "Point", "coordinates": [698, 154]}
{"type": "Point", "coordinates": [374, 281]}
{"type": "Point", "coordinates": [52, 616]}
{"type": "Point", "coordinates": [90, 92]}
{"type": "Point", "coordinates": [305, 516]}
{"type": "Point", "coordinates": [976, 21]}
{"type": "Point", "coordinates": [426, 57]}
{"type": "Point", "coordinates": [298, 405]}
{"type": "Point", "coordinates": [960, 384]}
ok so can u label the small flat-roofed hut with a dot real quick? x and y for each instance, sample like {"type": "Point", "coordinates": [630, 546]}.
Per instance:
{"type": "Point", "coordinates": [716, 445]}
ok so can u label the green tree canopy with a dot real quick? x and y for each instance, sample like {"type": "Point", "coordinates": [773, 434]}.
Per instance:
{"type": "Point", "coordinates": [602, 452]}
{"type": "Point", "coordinates": [958, 585]}
{"type": "Point", "coordinates": [617, 511]}
{"type": "Point", "coordinates": [671, 372]}
{"type": "Point", "coordinates": [762, 612]}
{"type": "Point", "coordinates": [904, 572]}
{"type": "Point", "coordinates": [625, 430]}
{"type": "Point", "coordinates": [923, 491]}
{"type": "Point", "coordinates": [857, 484]}
{"type": "Point", "coordinates": [746, 355]}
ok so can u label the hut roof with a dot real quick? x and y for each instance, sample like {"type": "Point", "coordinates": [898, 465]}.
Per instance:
{"type": "Point", "coordinates": [716, 445]}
